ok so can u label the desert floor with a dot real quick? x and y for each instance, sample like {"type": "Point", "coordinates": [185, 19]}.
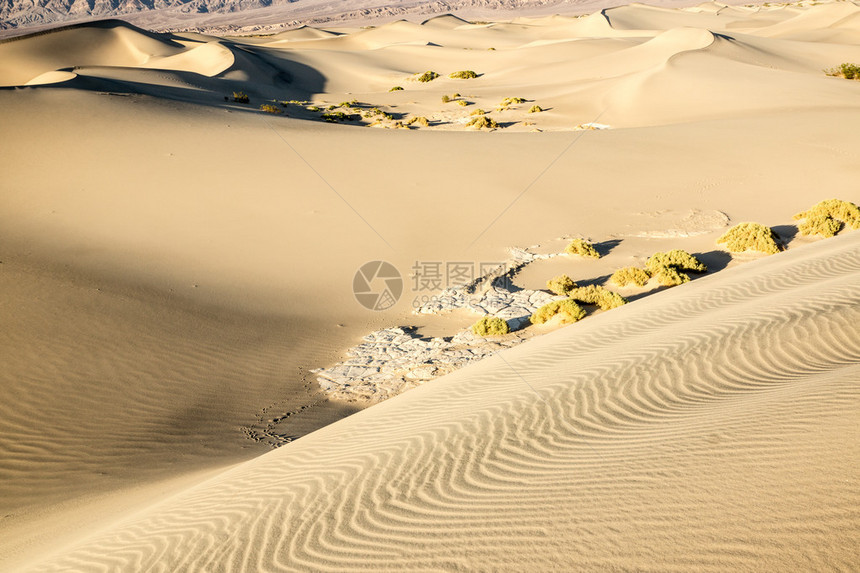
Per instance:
{"type": "Point", "coordinates": [174, 264]}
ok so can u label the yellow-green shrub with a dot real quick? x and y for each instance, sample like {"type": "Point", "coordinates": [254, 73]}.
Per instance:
{"type": "Point", "coordinates": [827, 218]}
{"type": "Point", "coordinates": [491, 326]}
{"type": "Point", "coordinates": [749, 237]}
{"type": "Point", "coordinates": [535, 109]}
{"type": "Point", "coordinates": [582, 248]}
{"type": "Point", "coordinates": [561, 285]}
{"type": "Point", "coordinates": [463, 75]}
{"type": "Point", "coordinates": [630, 275]}
{"type": "Point", "coordinates": [420, 120]}
{"type": "Point", "coordinates": [482, 121]}
{"type": "Point", "coordinates": [269, 108]}
{"type": "Point", "coordinates": [595, 294]}
{"type": "Point", "coordinates": [396, 89]}
{"type": "Point", "coordinates": [427, 76]}
{"type": "Point", "coordinates": [667, 266]}
{"type": "Point", "coordinates": [241, 97]}
{"type": "Point", "coordinates": [567, 308]}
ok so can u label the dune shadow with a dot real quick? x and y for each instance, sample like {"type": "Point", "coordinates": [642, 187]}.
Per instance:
{"type": "Point", "coordinates": [715, 260]}
{"type": "Point", "coordinates": [786, 233]}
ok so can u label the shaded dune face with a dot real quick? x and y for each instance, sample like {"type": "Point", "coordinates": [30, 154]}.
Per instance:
{"type": "Point", "coordinates": [706, 412]}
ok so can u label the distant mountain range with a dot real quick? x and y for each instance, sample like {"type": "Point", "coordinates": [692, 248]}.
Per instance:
{"type": "Point", "coordinates": [21, 16]}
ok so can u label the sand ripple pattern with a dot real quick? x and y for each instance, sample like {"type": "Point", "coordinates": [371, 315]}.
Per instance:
{"type": "Point", "coordinates": [710, 427]}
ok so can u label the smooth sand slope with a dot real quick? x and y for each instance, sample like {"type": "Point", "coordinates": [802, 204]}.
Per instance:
{"type": "Point", "coordinates": [173, 266]}
{"type": "Point", "coordinates": [709, 428]}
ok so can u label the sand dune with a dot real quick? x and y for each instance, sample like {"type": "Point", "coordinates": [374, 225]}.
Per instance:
{"type": "Point", "coordinates": [718, 417]}
{"type": "Point", "coordinates": [175, 263]}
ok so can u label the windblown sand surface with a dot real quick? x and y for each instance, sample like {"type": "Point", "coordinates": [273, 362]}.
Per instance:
{"type": "Point", "coordinates": [173, 264]}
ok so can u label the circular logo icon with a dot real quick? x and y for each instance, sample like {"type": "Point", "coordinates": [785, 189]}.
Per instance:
{"type": "Point", "coordinates": [377, 285]}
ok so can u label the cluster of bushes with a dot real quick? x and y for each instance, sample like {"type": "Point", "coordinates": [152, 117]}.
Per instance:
{"type": "Point", "coordinates": [427, 76]}
{"type": "Point", "coordinates": [846, 70]}
{"type": "Point", "coordinates": [334, 117]}
{"type": "Point", "coordinates": [630, 275]}
{"type": "Point", "coordinates": [463, 75]}
{"type": "Point", "coordinates": [290, 102]}
{"type": "Point", "coordinates": [667, 266]}
{"type": "Point", "coordinates": [269, 108]}
{"type": "Point", "coordinates": [241, 97]}
{"type": "Point", "coordinates": [535, 109]}
{"type": "Point", "coordinates": [567, 309]}
{"type": "Point", "coordinates": [420, 120]}
{"type": "Point", "coordinates": [828, 217]}
{"type": "Point", "coordinates": [582, 248]}
{"type": "Point", "coordinates": [750, 237]}
{"type": "Point", "coordinates": [509, 101]}
{"type": "Point", "coordinates": [481, 122]}
{"type": "Point", "coordinates": [446, 98]}
{"type": "Point", "coordinates": [491, 326]}
{"type": "Point", "coordinates": [604, 298]}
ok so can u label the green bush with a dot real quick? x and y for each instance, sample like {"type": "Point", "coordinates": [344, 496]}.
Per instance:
{"type": "Point", "coordinates": [491, 326]}
{"type": "Point", "coordinates": [482, 121]}
{"type": "Point", "coordinates": [511, 100]}
{"type": "Point", "coordinates": [446, 98]}
{"type": "Point", "coordinates": [396, 89]}
{"type": "Point", "coordinates": [339, 116]}
{"type": "Point", "coordinates": [463, 103]}
{"type": "Point", "coordinates": [567, 308]}
{"type": "Point", "coordinates": [750, 237]}
{"type": "Point", "coordinates": [420, 120]}
{"type": "Point", "coordinates": [427, 76]}
{"type": "Point", "coordinates": [561, 285]}
{"type": "Point", "coordinates": [828, 217]}
{"type": "Point", "coordinates": [478, 111]}
{"type": "Point", "coordinates": [846, 70]}
{"type": "Point", "coordinates": [598, 295]}
{"type": "Point", "coordinates": [270, 108]}
{"type": "Point", "coordinates": [241, 97]}
{"type": "Point", "coordinates": [313, 108]}
{"type": "Point", "coordinates": [582, 248]}
{"type": "Point", "coordinates": [667, 266]}
{"type": "Point", "coordinates": [630, 275]}
{"type": "Point", "coordinates": [463, 75]}
{"type": "Point", "coordinates": [535, 109]}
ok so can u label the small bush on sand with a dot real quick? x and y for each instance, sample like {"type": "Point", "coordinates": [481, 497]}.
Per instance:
{"type": "Point", "coordinates": [396, 89]}
{"type": "Point", "coordinates": [420, 120]}
{"type": "Point", "coordinates": [481, 122]}
{"type": "Point", "coordinates": [561, 285]}
{"type": "Point", "coordinates": [446, 98]}
{"type": "Point", "coordinates": [750, 237]}
{"type": "Point", "coordinates": [269, 108]}
{"type": "Point", "coordinates": [339, 116]}
{"type": "Point", "coordinates": [535, 109]}
{"type": "Point", "coordinates": [463, 75]}
{"type": "Point", "coordinates": [582, 248]}
{"type": "Point", "coordinates": [511, 100]}
{"type": "Point", "coordinates": [478, 111]}
{"type": "Point", "coordinates": [241, 97]}
{"type": "Point", "coordinates": [491, 326]}
{"type": "Point", "coordinates": [314, 108]}
{"type": "Point", "coordinates": [427, 76]}
{"type": "Point", "coordinates": [568, 309]}
{"type": "Point", "coordinates": [827, 218]}
{"type": "Point", "coordinates": [464, 103]}
{"type": "Point", "coordinates": [846, 70]}
{"type": "Point", "coordinates": [595, 294]}
{"type": "Point", "coordinates": [667, 266]}
{"type": "Point", "coordinates": [630, 275]}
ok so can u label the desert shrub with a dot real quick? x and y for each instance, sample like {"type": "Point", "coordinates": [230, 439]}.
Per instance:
{"type": "Point", "coordinates": [314, 108]}
{"type": "Point", "coordinates": [396, 89]}
{"type": "Point", "coordinates": [241, 97]}
{"type": "Point", "coordinates": [567, 308]}
{"type": "Point", "coordinates": [846, 70]}
{"type": "Point", "coordinates": [463, 103]}
{"type": "Point", "coordinates": [667, 266]}
{"type": "Point", "coordinates": [750, 237]}
{"type": "Point", "coordinates": [269, 108]}
{"type": "Point", "coordinates": [582, 248]}
{"type": "Point", "coordinates": [676, 259]}
{"type": "Point", "coordinates": [535, 109]}
{"type": "Point", "coordinates": [561, 285]}
{"type": "Point", "coordinates": [463, 75]}
{"type": "Point", "coordinates": [420, 120]}
{"type": "Point", "coordinates": [446, 98]}
{"type": "Point", "coordinates": [339, 116]}
{"type": "Point", "coordinates": [630, 275]}
{"type": "Point", "coordinates": [482, 121]}
{"type": "Point", "coordinates": [827, 218]}
{"type": "Point", "coordinates": [427, 76]}
{"type": "Point", "coordinates": [348, 103]}
{"type": "Point", "coordinates": [478, 111]}
{"type": "Point", "coordinates": [491, 326]}
{"type": "Point", "coordinates": [511, 100]}
{"type": "Point", "coordinates": [595, 294]}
